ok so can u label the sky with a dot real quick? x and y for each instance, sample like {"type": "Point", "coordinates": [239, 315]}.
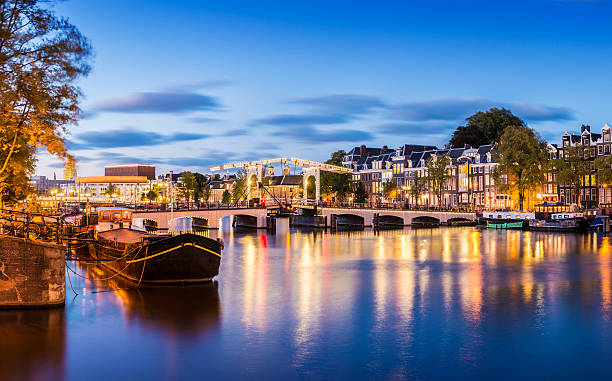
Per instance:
{"type": "Point", "coordinates": [185, 85]}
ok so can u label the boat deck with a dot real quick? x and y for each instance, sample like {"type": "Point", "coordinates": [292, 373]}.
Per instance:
{"type": "Point", "coordinates": [124, 235]}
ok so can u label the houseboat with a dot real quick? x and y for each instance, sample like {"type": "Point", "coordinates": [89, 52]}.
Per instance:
{"type": "Point", "coordinates": [129, 250]}
{"type": "Point", "coordinates": [507, 220]}
{"type": "Point", "coordinates": [557, 217]}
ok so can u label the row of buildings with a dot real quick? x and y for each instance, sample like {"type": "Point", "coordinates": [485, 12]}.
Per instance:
{"type": "Point", "coordinates": [470, 182]}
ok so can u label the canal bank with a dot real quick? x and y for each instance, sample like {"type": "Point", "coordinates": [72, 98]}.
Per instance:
{"type": "Point", "coordinates": [32, 273]}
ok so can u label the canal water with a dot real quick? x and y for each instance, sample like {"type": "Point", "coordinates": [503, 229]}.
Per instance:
{"type": "Point", "coordinates": [447, 303]}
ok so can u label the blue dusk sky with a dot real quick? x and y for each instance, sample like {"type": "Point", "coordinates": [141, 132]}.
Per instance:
{"type": "Point", "coordinates": [185, 85]}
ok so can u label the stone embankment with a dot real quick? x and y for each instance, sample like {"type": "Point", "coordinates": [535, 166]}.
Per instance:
{"type": "Point", "coordinates": [32, 274]}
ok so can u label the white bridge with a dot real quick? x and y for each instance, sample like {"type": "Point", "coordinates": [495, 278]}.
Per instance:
{"type": "Point", "coordinates": [252, 217]}
{"type": "Point", "coordinates": [395, 217]}
{"type": "Point", "coordinates": [255, 171]}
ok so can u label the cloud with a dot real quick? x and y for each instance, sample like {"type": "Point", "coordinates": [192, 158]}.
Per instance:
{"type": "Point", "coordinates": [198, 85]}
{"type": "Point", "coordinates": [416, 128]}
{"type": "Point", "coordinates": [347, 105]}
{"type": "Point", "coordinates": [299, 120]}
{"type": "Point", "coordinates": [201, 120]}
{"type": "Point", "coordinates": [457, 109]}
{"type": "Point", "coordinates": [128, 137]}
{"type": "Point", "coordinates": [157, 102]}
{"type": "Point", "coordinates": [236, 132]}
{"type": "Point", "coordinates": [316, 135]}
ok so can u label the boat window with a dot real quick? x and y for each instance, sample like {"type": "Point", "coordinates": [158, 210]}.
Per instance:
{"type": "Point", "coordinates": [116, 216]}
{"type": "Point", "coordinates": [105, 216]}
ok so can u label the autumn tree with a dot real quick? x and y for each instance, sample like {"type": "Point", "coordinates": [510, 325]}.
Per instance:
{"type": "Point", "coordinates": [484, 128]}
{"type": "Point", "coordinates": [573, 166]}
{"type": "Point", "coordinates": [239, 186]}
{"type": "Point", "coordinates": [389, 190]}
{"type": "Point", "coordinates": [41, 58]}
{"type": "Point", "coordinates": [522, 158]}
{"type": "Point", "coordinates": [437, 175]}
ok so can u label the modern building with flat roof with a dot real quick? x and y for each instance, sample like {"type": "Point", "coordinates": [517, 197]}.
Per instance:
{"type": "Point", "coordinates": [131, 170]}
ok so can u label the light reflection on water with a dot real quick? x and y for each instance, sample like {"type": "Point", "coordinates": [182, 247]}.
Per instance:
{"type": "Point", "coordinates": [427, 303]}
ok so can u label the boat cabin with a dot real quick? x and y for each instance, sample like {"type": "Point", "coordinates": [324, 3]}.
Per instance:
{"type": "Point", "coordinates": [555, 211]}
{"type": "Point", "coordinates": [110, 218]}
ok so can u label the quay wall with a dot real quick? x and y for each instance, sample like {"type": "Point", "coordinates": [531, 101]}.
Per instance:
{"type": "Point", "coordinates": [32, 274]}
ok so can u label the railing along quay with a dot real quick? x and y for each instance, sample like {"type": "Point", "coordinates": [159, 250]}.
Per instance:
{"type": "Point", "coordinates": [32, 226]}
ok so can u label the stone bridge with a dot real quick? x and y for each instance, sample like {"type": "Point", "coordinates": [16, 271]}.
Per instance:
{"type": "Point", "coordinates": [392, 217]}
{"type": "Point", "coordinates": [251, 217]}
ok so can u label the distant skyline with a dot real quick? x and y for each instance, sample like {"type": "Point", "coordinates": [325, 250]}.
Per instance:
{"type": "Point", "coordinates": [190, 84]}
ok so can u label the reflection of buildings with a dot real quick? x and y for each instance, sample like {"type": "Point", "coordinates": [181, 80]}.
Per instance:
{"type": "Point", "coordinates": [33, 344]}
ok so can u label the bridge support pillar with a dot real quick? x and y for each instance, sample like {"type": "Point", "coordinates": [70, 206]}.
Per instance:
{"type": "Point", "coordinates": [316, 172]}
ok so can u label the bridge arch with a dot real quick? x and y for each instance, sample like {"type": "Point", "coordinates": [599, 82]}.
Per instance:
{"type": "Point", "coordinates": [349, 220]}
{"type": "Point", "coordinates": [390, 221]}
{"type": "Point", "coordinates": [425, 221]}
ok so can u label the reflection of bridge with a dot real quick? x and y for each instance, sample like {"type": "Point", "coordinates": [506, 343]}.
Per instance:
{"type": "Point", "coordinates": [255, 169]}
{"type": "Point", "coordinates": [370, 217]}
{"type": "Point", "coordinates": [254, 217]}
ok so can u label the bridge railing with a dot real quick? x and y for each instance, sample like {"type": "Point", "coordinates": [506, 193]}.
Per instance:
{"type": "Point", "coordinates": [200, 206]}
{"type": "Point", "coordinates": [381, 205]}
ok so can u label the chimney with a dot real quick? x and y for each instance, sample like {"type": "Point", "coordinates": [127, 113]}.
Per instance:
{"type": "Point", "coordinates": [586, 128]}
{"type": "Point", "coordinates": [384, 149]}
{"type": "Point", "coordinates": [362, 151]}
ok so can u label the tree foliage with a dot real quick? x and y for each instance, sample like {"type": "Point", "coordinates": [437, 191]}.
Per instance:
{"type": "Point", "coordinates": [239, 186]}
{"type": "Point", "coordinates": [522, 158]}
{"type": "Point", "coordinates": [14, 184]}
{"type": "Point", "coordinates": [41, 58]}
{"type": "Point", "coordinates": [226, 197]}
{"type": "Point", "coordinates": [361, 194]}
{"type": "Point", "coordinates": [572, 167]}
{"type": "Point", "coordinates": [437, 175]}
{"type": "Point", "coordinates": [418, 187]}
{"type": "Point", "coordinates": [603, 165]}
{"type": "Point", "coordinates": [484, 128]}
{"type": "Point", "coordinates": [389, 190]}
{"type": "Point", "coordinates": [336, 184]}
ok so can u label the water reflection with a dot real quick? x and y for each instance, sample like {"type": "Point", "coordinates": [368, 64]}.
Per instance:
{"type": "Point", "coordinates": [442, 303]}
{"type": "Point", "coordinates": [32, 344]}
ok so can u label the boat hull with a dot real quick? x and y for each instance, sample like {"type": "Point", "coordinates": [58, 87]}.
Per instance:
{"type": "Point", "coordinates": [505, 225]}
{"type": "Point", "coordinates": [184, 258]}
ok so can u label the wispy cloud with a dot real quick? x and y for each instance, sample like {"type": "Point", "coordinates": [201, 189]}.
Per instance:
{"type": "Point", "coordinates": [300, 120]}
{"type": "Point", "coordinates": [158, 102]}
{"type": "Point", "coordinates": [236, 132]}
{"type": "Point", "coordinates": [128, 137]}
{"type": "Point", "coordinates": [347, 105]}
{"type": "Point", "coordinates": [316, 135]}
{"type": "Point", "coordinates": [458, 109]}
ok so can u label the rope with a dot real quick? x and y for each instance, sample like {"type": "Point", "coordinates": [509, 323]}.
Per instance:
{"type": "Point", "coordinates": [103, 279]}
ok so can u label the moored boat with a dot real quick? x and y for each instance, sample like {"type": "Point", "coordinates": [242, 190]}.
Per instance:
{"type": "Point", "coordinates": [557, 217]}
{"type": "Point", "coordinates": [152, 258]}
{"type": "Point", "coordinates": [505, 225]}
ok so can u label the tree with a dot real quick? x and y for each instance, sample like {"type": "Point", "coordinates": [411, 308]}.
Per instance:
{"type": "Point", "coordinates": [389, 190]}
{"type": "Point", "coordinates": [111, 190]}
{"type": "Point", "coordinates": [206, 192]}
{"type": "Point", "coordinates": [336, 184]}
{"type": "Point", "coordinates": [484, 128]}
{"type": "Point", "coordinates": [189, 186]}
{"type": "Point", "coordinates": [418, 187]}
{"type": "Point", "coordinates": [573, 167]}
{"type": "Point", "coordinates": [41, 58]}
{"type": "Point", "coordinates": [239, 187]}
{"type": "Point", "coordinates": [14, 182]}
{"type": "Point", "coordinates": [361, 194]}
{"type": "Point", "coordinates": [226, 197]}
{"type": "Point", "coordinates": [522, 158]}
{"type": "Point", "coordinates": [152, 196]}
{"type": "Point", "coordinates": [603, 165]}
{"type": "Point", "coordinates": [437, 175]}
{"type": "Point", "coordinates": [311, 188]}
